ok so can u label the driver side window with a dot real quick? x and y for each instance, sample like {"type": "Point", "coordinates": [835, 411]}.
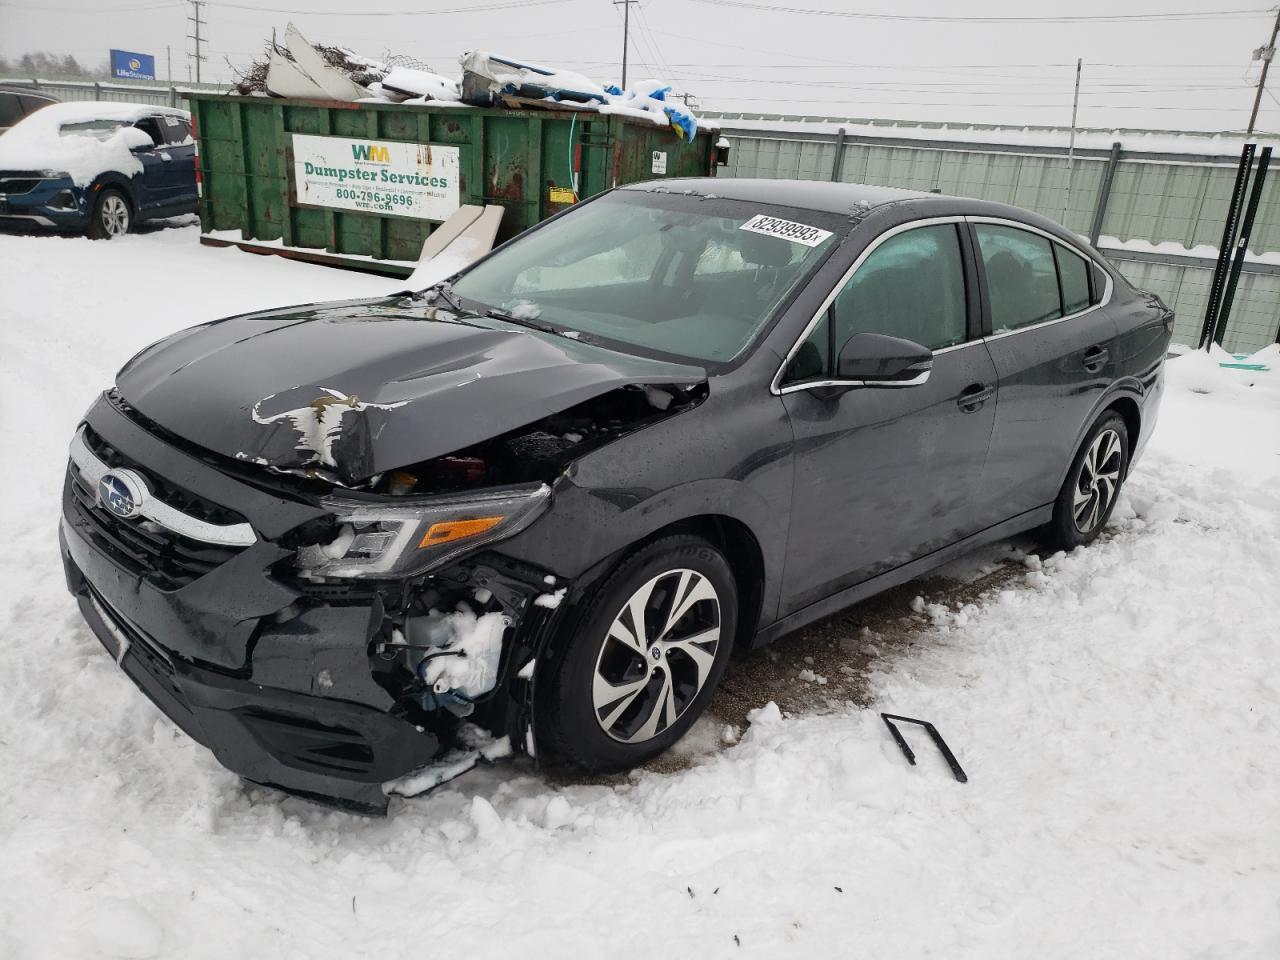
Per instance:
{"type": "Point", "coordinates": [911, 286]}
{"type": "Point", "coordinates": [149, 126]}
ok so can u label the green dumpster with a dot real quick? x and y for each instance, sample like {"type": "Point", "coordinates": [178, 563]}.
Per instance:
{"type": "Point", "coordinates": [364, 184]}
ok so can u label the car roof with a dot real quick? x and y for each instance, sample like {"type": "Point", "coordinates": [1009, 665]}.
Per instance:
{"type": "Point", "coordinates": [855, 198]}
{"type": "Point", "coordinates": [88, 111]}
{"type": "Point", "coordinates": [804, 194]}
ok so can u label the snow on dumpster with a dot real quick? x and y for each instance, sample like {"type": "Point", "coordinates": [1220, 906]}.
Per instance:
{"type": "Point", "coordinates": [331, 156]}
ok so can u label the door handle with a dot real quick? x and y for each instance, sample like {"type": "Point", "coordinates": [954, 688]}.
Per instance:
{"type": "Point", "coordinates": [166, 158]}
{"type": "Point", "coordinates": [1095, 358]}
{"type": "Point", "coordinates": [974, 396]}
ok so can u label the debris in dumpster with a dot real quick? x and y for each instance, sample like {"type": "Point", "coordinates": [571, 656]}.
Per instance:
{"type": "Point", "coordinates": [407, 83]}
{"type": "Point", "coordinates": [486, 76]}
{"type": "Point", "coordinates": [301, 69]}
{"type": "Point", "coordinates": [934, 735]}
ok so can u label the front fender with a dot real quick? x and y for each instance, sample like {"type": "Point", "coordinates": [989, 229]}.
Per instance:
{"type": "Point", "coordinates": [113, 178]}
{"type": "Point", "coordinates": [730, 457]}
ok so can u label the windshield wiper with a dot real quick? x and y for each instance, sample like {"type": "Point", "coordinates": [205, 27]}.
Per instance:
{"type": "Point", "coordinates": [444, 291]}
{"type": "Point", "coordinates": [521, 321]}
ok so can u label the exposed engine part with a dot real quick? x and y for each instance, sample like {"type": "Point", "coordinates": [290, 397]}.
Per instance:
{"type": "Point", "coordinates": [453, 658]}
{"type": "Point", "coordinates": [541, 450]}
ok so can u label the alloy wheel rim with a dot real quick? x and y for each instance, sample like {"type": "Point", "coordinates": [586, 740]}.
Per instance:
{"type": "Point", "coordinates": [1098, 481]}
{"type": "Point", "coordinates": [656, 656]}
{"type": "Point", "coordinates": [115, 216]}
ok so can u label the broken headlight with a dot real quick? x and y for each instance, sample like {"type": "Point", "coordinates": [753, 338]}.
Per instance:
{"type": "Point", "coordinates": [412, 536]}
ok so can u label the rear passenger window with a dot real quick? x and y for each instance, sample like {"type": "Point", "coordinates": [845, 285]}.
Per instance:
{"type": "Point", "coordinates": [911, 286]}
{"type": "Point", "coordinates": [1074, 275]}
{"type": "Point", "coordinates": [1022, 279]}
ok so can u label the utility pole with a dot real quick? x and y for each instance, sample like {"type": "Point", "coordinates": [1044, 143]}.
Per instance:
{"type": "Point", "coordinates": [168, 57]}
{"type": "Point", "coordinates": [1264, 54]}
{"type": "Point", "coordinates": [197, 22]}
{"type": "Point", "coordinates": [1071, 148]}
{"type": "Point", "coordinates": [626, 34]}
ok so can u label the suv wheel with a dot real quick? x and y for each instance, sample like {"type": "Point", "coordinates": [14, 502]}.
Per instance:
{"type": "Point", "coordinates": [647, 653]}
{"type": "Point", "coordinates": [112, 215]}
{"type": "Point", "coordinates": [1093, 484]}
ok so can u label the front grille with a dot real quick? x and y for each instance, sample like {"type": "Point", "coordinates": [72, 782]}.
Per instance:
{"type": "Point", "coordinates": [175, 496]}
{"type": "Point", "coordinates": [18, 182]}
{"type": "Point", "coordinates": [167, 559]}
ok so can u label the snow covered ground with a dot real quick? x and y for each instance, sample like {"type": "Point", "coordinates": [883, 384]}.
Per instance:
{"type": "Point", "coordinates": [1117, 711]}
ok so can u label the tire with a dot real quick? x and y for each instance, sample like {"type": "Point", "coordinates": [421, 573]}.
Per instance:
{"type": "Point", "coordinates": [1092, 486]}
{"type": "Point", "coordinates": [608, 706]}
{"type": "Point", "coordinates": [112, 215]}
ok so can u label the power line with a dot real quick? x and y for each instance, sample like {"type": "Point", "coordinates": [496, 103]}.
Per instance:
{"type": "Point", "coordinates": [476, 8]}
{"type": "Point", "coordinates": [111, 11]}
{"type": "Point", "coordinates": [935, 65]}
{"type": "Point", "coordinates": [988, 106]}
{"type": "Point", "coordinates": [1057, 18]}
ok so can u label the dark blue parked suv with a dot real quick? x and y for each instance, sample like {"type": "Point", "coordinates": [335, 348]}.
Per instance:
{"type": "Point", "coordinates": [98, 167]}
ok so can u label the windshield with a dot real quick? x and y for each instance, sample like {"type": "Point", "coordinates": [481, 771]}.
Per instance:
{"type": "Point", "coordinates": [671, 274]}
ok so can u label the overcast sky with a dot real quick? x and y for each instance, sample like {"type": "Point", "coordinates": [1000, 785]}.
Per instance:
{"type": "Point", "coordinates": [872, 58]}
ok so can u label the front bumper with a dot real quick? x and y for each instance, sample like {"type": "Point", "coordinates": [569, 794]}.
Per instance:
{"type": "Point", "coordinates": [323, 749]}
{"type": "Point", "coordinates": [278, 683]}
{"type": "Point", "coordinates": [49, 202]}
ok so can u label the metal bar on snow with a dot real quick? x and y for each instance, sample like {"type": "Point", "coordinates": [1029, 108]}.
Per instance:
{"type": "Point", "coordinates": [1104, 194]}
{"type": "Point", "coordinates": [934, 735]}
{"type": "Point", "coordinates": [1242, 246]}
{"type": "Point", "coordinates": [1228, 241]}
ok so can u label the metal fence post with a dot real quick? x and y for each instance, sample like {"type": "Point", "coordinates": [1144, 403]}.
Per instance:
{"type": "Point", "coordinates": [1104, 193]}
{"type": "Point", "coordinates": [1242, 246]}
{"type": "Point", "coordinates": [97, 90]}
{"type": "Point", "coordinates": [1228, 241]}
{"type": "Point", "coordinates": [838, 162]}
{"type": "Point", "coordinates": [173, 96]}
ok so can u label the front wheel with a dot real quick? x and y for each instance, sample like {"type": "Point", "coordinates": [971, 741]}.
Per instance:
{"type": "Point", "coordinates": [645, 657]}
{"type": "Point", "coordinates": [1092, 486]}
{"type": "Point", "coordinates": [112, 215]}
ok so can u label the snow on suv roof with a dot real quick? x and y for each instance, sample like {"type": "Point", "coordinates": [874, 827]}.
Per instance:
{"type": "Point", "coordinates": [40, 141]}
{"type": "Point", "coordinates": [57, 114]}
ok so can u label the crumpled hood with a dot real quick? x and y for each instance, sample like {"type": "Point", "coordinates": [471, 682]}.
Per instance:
{"type": "Point", "coordinates": [353, 389]}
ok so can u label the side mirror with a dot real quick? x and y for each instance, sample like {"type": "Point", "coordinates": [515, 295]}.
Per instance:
{"type": "Point", "coordinates": [138, 141]}
{"type": "Point", "coordinates": [880, 360]}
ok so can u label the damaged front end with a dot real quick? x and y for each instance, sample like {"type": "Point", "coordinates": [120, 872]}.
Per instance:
{"type": "Point", "coordinates": [365, 637]}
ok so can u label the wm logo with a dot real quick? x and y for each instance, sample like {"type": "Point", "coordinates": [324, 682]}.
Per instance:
{"type": "Point", "coordinates": [371, 152]}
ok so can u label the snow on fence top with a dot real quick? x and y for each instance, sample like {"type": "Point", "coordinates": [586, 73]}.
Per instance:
{"type": "Point", "coordinates": [1226, 144]}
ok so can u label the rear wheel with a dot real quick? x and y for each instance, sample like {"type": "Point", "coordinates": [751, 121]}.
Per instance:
{"type": "Point", "coordinates": [648, 651]}
{"type": "Point", "coordinates": [112, 215]}
{"type": "Point", "coordinates": [1093, 484]}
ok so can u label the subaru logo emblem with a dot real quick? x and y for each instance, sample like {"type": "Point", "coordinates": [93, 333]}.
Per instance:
{"type": "Point", "coordinates": [122, 492]}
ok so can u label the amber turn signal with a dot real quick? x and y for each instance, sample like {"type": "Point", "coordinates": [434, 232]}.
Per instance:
{"type": "Point", "coordinates": [448, 530]}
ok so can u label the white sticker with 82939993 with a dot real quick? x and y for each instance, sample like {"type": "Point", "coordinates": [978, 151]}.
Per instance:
{"type": "Point", "coordinates": [786, 229]}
